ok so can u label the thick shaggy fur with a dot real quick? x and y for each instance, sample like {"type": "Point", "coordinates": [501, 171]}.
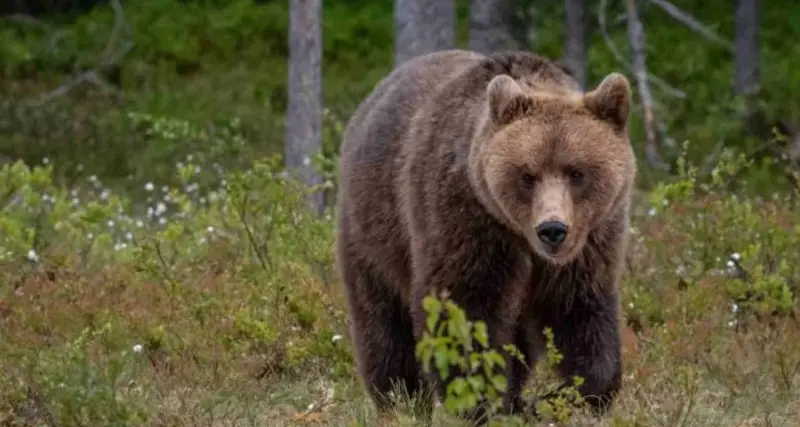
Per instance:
{"type": "Point", "coordinates": [447, 169]}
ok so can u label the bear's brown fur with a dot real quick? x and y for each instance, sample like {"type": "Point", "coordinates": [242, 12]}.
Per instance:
{"type": "Point", "coordinates": [494, 178]}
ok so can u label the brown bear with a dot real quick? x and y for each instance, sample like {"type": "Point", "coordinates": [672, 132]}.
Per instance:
{"type": "Point", "coordinates": [495, 178]}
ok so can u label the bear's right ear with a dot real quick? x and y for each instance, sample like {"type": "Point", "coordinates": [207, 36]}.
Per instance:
{"type": "Point", "coordinates": [507, 101]}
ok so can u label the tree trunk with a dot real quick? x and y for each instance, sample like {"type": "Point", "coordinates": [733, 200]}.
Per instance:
{"type": "Point", "coordinates": [746, 44]}
{"type": "Point", "coordinates": [638, 42]}
{"type": "Point", "coordinates": [494, 26]}
{"type": "Point", "coordinates": [746, 64]}
{"type": "Point", "coordinates": [422, 26]}
{"type": "Point", "coordinates": [576, 38]}
{"type": "Point", "coordinates": [304, 111]}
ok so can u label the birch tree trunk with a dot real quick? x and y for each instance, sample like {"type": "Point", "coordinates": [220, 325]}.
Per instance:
{"type": "Point", "coordinates": [422, 26]}
{"type": "Point", "coordinates": [304, 111]}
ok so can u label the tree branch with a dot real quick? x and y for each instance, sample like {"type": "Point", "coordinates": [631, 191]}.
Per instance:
{"type": "Point", "coordinates": [692, 23]}
{"type": "Point", "coordinates": [601, 17]}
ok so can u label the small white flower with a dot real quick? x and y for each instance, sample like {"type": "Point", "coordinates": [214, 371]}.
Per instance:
{"type": "Point", "coordinates": [736, 256]}
{"type": "Point", "coordinates": [732, 323]}
{"type": "Point", "coordinates": [652, 212]}
{"type": "Point", "coordinates": [734, 307]}
{"type": "Point", "coordinates": [731, 264]}
{"type": "Point", "coordinates": [45, 160]}
{"type": "Point", "coordinates": [210, 229]}
{"type": "Point", "coordinates": [162, 220]}
{"type": "Point", "coordinates": [165, 189]}
{"type": "Point", "coordinates": [149, 186]}
{"type": "Point", "coordinates": [110, 223]}
{"type": "Point", "coordinates": [139, 223]}
{"type": "Point", "coordinates": [137, 348]}
{"type": "Point", "coordinates": [104, 194]}
{"type": "Point", "coordinates": [93, 178]}
{"type": "Point", "coordinates": [33, 256]}
{"type": "Point", "coordinates": [336, 338]}
{"type": "Point", "coordinates": [129, 236]}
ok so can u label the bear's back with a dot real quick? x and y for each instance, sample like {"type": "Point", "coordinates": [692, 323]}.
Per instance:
{"type": "Point", "coordinates": [437, 97]}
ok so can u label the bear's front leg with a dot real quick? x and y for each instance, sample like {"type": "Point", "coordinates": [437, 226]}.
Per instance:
{"type": "Point", "coordinates": [587, 333]}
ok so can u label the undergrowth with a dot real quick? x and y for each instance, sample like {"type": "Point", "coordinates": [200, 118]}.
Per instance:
{"type": "Point", "coordinates": [218, 303]}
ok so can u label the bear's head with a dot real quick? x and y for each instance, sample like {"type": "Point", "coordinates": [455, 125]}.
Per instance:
{"type": "Point", "coordinates": [554, 164]}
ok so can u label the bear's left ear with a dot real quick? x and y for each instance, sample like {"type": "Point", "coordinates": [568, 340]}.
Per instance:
{"type": "Point", "coordinates": [611, 101]}
{"type": "Point", "coordinates": [507, 101]}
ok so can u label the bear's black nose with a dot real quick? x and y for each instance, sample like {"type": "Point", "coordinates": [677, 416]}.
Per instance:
{"type": "Point", "coordinates": [552, 233]}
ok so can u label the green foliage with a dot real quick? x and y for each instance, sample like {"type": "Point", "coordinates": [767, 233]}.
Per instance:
{"type": "Point", "coordinates": [459, 350]}
{"type": "Point", "coordinates": [722, 235]}
{"type": "Point", "coordinates": [559, 406]}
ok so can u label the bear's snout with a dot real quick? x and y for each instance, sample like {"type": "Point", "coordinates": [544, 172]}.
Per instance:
{"type": "Point", "coordinates": [552, 233]}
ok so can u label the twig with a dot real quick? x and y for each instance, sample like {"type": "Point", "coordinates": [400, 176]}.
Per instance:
{"type": "Point", "coordinates": [86, 77]}
{"type": "Point", "coordinates": [111, 58]}
{"type": "Point", "coordinates": [27, 19]}
{"type": "Point", "coordinates": [692, 23]}
{"type": "Point", "coordinates": [637, 41]}
{"type": "Point", "coordinates": [601, 17]}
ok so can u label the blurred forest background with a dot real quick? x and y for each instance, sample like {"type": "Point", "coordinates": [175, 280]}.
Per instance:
{"type": "Point", "coordinates": [157, 267]}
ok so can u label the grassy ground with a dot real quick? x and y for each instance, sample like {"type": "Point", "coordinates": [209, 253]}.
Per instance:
{"type": "Point", "coordinates": [223, 308]}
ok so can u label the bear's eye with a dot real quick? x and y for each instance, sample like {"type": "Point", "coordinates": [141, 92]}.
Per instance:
{"type": "Point", "coordinates": [576, 177]}
{"type": "Point", "coordinates": [528, 179]}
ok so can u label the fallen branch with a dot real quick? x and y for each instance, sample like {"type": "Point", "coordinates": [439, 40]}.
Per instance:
{"type": "Point", "coordinates": [692, 23]}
